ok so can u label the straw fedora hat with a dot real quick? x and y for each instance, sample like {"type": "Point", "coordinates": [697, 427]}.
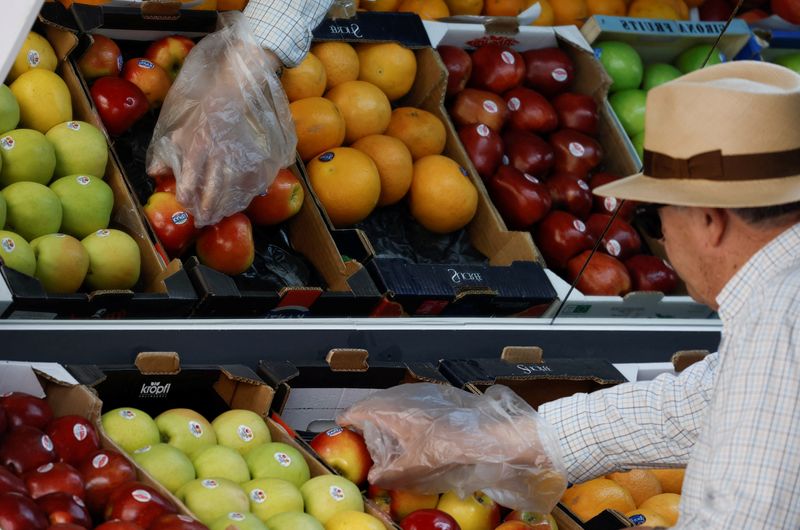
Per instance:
{"type": "Point", "coordinates": [726, 136]}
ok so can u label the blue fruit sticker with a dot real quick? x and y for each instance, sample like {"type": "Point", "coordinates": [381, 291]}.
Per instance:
{"type": "Point", "coordinates": [326, 157]}
{"type": "Point", "coordinates": [144, 63]}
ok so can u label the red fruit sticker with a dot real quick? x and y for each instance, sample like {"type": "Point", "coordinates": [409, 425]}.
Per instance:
{"type": "Point", "coordinates": [45, 468]}
{"type": "Point", "coordinates": [7, 143]}
{"type": "Point", "coordinates": [47, 443]}
{"type": "Point", "coordinates": [513, 104]}
{"type": "Point", "coordinates": [576, 149]}
{"type": "Point", "coordinates": [336, 493]}
{"type": "Point", "coordinates": [83, 180]}
{"type": "Point", "coordinates": [209, 483]}
{"type": "Point", "coordinates": [245, 433]}
{"type": "Point", "coordinates": [559, 74]}
{"type": "Point", "coordinates": [579, 226]}
{"type": "Point", "coordinates": [283, 459]}
{"type": "Point", "coordinates": [8, 244]}
{"type": "Point", "coordinates": [610, 203]}
{"type": "Point", "coordinates": [613, 247]}
{"type": "Point", "coordinates": [127, 414]}
{"type": "Point", "coordinates": [141, 495]}
{"type": "Point", "coordinates": [490, 106]}
{"type": "Point", "coordinates": [100, 461]}
{"type": "Point", "coordinates": [258, 496]}
{"type": "Point", "coordinates": [80, 432]}
{"type": "Point", "coordinates": [74, 125]}
{"type": "Point", "coordinates": [482, 129]}
{"type": "Point", "coordinates": [336, 431]}
{"type": "Point", "coordinates": [196, 429]}
{"type": "Point", "coordinates": [507, 57]}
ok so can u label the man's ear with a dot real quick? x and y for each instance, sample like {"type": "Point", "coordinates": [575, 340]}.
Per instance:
{"type": "Point", "coordinates": [715, 222]}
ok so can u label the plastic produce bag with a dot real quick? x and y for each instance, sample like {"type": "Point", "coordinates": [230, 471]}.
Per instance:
{"type": "Point", "coordinates": [225, 127]}
{"type": "Point", "coordinates": [431, 438]}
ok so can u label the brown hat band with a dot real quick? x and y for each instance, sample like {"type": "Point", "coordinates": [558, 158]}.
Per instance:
{"type": "Point", "coordinates": [713, 165]}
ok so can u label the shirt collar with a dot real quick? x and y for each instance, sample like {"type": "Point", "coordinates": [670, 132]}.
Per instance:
{"type": "Point", "coordinates": [781, 253]}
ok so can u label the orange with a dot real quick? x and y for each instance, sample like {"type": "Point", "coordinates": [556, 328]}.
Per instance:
{"type": "Point", "coordinates": [305, 80]}
{"type": "Point", "coordinates": [365, 108]}
{"type": "Point", "coordinates": [464, 7]}
{"type": "Point", "coordinates": [546, 16]}
{"type": "Point", "coordinates": [426, 9]}
{"type": "Point", "coordinates": [682, 8]}
{"type": "Point", "coordinates": [665, 505]}
{"type": "Point", "coordinates": [389, 66]}
{"type": "Point", "coordinates": [394, 163]}
{"type": "Point", "coordinates": [319, 125]}
{"type": "Point", "coordinates": [671, 479]}
{"type": "Point", "coordinates": [651, 518]}
{"type": "Point", "coordinates": [231, 5]}
{"type": "Point", "coordinates": [442, 198]}
{"type": "Point", "coordinates": [380, 5]}
{"type": "Point", "coordinates": [613, 8]}
{"type": "Point", "coordinates": [641, 484]}
{"type": "Point", "coordinates": [694, 3]}
{"type": "Point", "coordinates": [347, 184]}
{"type": "Point", "coordinates": [569, 12]}
{"type": "Point", "coordinates": [421, 131]}
{"type": "Point", "coordinates": [592, 497]}
{"type": "Point", "coordinates": [340, 61]}
{"type": "Point", "coordinates": [652, 9]}
{"type": "Point", "coordinates": [502, 8]}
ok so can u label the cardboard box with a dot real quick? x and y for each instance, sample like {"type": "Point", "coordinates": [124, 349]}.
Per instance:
{"type": "Point", "coordinates": [649, 371]}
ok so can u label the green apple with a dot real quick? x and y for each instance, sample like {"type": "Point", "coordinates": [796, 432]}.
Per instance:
{"type": "Point", "coordinates": [16, 253]}
{"type": "Point", "coordinates": [693, 58]}
{"type": "Point", "coordinates": [32, 209]}
{"type": "Point", "coordinates": [278, 460]}
{"type": "Point", "coordinates": [629, 107]}
{"type": "Point", "coordinates": [3, 209]}
{"type": "Point", "coordinates": [790, 61]}
{"type": "Point", "coordinates": [218, 461]}
{"type": "Point", "coordinates": [638, 144]}
{"type": "Point", "coordinates": [80, 148]}
{"type": "Point", "coordinates": [114, 260]}
{"type": "Point", "coordinates": [86, 202]}
{"type": "Point", "coordinates": [27, 156]}
{"type": "Point", "coordinates": [293, 521]}
{"type": "Point", "coordinates": [271, 496]}
{"type": "Point", "coordinates": [130, 428]}
{"type": "Point", "coordinates": [241, 429]}
{"type": "Point", "coordinates": [326, 495]}
{"type": "Point", "coordinates": [185, 429]}
{"type": "Point", "coordinates": [61, 262]}
{"type": "Point", "coordinates": [622, 63]}
{"type": "Point", "coordinates": [209, 498]}
{"type": "Point", "coordinates": [238, 521]}
{"type": "Point", "coordinates": [657, 74]}
{"type": "Point", "coordinates": [9, 110]}
{"type": "Point", "coordinates": [166, 464]}
{"type": "Point", "coordinates": [354, 520]}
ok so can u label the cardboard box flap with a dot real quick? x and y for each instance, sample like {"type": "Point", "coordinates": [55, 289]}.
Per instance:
{"type": "Point", "coordinates": [491, 371]}
{"type": "Point", "coordinates": [155, 363]}
{"type": "Point", "coordinates": [683, 359]}
{"type": "Point", "coordinates": [347, 360]}
{"type": "Point", "coordinates": [24, 377]}
{"type": "Point", "coordinates": [148, 21]}
{"type": "Point", "coordinates": [277, 373]}
{"type": "Point", "coordinates": [60, 28]}
{"type": "Point", "coordinates": [405, 28]}
{"type": "Point", "coordinates": [522, 354]}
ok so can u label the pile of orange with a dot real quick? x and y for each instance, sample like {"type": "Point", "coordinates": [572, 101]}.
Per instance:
{"type": "Point", "coordinates": [648, 497]}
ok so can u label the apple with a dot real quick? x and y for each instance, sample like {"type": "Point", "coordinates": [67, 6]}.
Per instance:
{"type": "Point", "coordinates": [429, 519]}
{"type": "Point", "coordinates": [548, 70]}
{"type": "Point", "coordinates": [326, 495]}
{"type": "Point", "coordinates": [560, 236]}
{"type": "Point", "coordinates": [475, 512]}
{"type": "Point", "coordinates": [638, 144]}
{"type": "Point", "coordinates": [620, 241]}
{"type": "Point", "coordinates": [118, 525]}
{"type": "Point", "coordinates": [514, 525]}
{"type": "Point", "coordinates": [25, 448]}
{"type": "Point", "coordinates": [281, 200]}
{"type": "Point", "coordinates": [657, 74]}
{"type": "Point", "coordinates": [86, 204]}
{"type": "Point", "coordinates": [66, 526]}
{"type": "Point", "coordinates": [173, 521]}
{"type": "Point", "coordinates": [538, 521]}
{"type": "Point", "coordinates": [101, 58]}
{"type": "Point", "coordinates": [74, 438]}
{"type": "Point", "coordinates": [137, 503]}
{"type": "Point", "coordinates": [604, 275]}
{"type": "Point", "coordinates": [10, 483]}
{"type": "Point", "coordinates": [80, 147]}
{"type": "Point", "coordinates": [271, 496]}
{"type": "Point", "coordinates": [228, 245]}
{"type": "Point", "coordinates": [9, 109]}
{"type": "Point", "coordinates": [459, 68]}
{"type": "Point", "coordinates": [787, 10]}
{"type": "Point", "coordinates": [170, 53]}
{"type": "Point", "coordinates": [241, 429]}
{"type": "Point", "coordinates": [114, 263]}
{"type": "Point", "coordinates": [345, 451]}
{"type": "Point", "coordinates": [790, 61]}
{"type": "Point", "coordinates": [209, 499]}
{"type": "Point", "coordinates": [622, 63]}
{"type": "Point", "coordinates": [715, 10]}
{"type": "Point", "coordinates": [27, 156]}
{"type": "Point", "coordinates": [186, 430]}
{"type": "Point", "coordinates": [61, 262]}
{"type": "Point", "coordinates": [528, 153]}
{"type": "Point", "coordinates": [529, 111]}
{"type": "Point", "coordinates": [35, 53]}
{"type": "Point", "coordinates": [752, 16]}
{"type": "Point", "coordinates": [278, 460]}
{"type": "Point", "coordinates": [153, 80]}
{"type": "Point", "coordinates": [166, 183]}
{"type": "Point", "coordinates": [293, 521]}
{"type": "Point", "coordinates": [25, 409]}
{"type": "Point", "coordinates": [519, 197]}
{"type": "Point", "coordinates": [166, 464]}
{"type": "Point", "coordinates": [3, 418]}
{"type": "Point", "coordinates": [102, 472]}
{"type": "Point", "coordinates": [402, 503]}
{"type": "Point", "coordinates": [119, 103]}
{"type": "Point", "coordinates": [575, 153]}
{"type": "Point", "coordinates": [218, 461]}
{"type": "Point", "coordinates": [695, 58]}
{"type": "Point", "coordinates": [578, 112]}
{"type": "Point", "coordinates": [62, 507]}
{"type": "Point", "coordinates": [496, 68]}
{"type": "Point", "coordinates": [130, 428]}
{"type": "Point", "coordinates": [379, 497]}
{"type": "Point", "coordinates": [629, 106]}
{"type": "Point", "coordinates": [473, 106]}
{"type": "Point", "coordinates": [610, 204]}
{"type": "Point", "coordinates": [649, 273]}
{"type": "Point", "coordinates": [16, 253]}
{"type": "Point", "coordinates": [32, 209]}
{"type": "Point", "coordinates": [570, 193]}
{"type": "Point", "coordinates": [18, 512]}
{"type": "Point", "coordinates": [484, 147]}
{"type": "Point", "coordinates": [237, 521]}
{"type": "Point", "coordinates": [52, 478]}
{"type": "Point", "coordinates": [354, 520]}
{"type": "Point", "coordinates": [172, 223]}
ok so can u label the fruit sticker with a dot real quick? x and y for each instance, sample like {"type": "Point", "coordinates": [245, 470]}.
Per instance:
{"type": "Point", "coordinates": [579, 226]}
{"type": "Point", "coordinates": [196, 429]}
{"type": "Point", "coordinates": [144, 63]}
{"type": "Point", "coordinates": [179, 218]}
{"type": "Point", "coordinates": [513, 104]}
{"type": "Point", "coordinates": [507, 57]}
{"type": "Point", "coordinates": [74, 125]}
{"type": "Point", "coordinates": [505, 160]}
{"type": "Point", "coordinates": [245, 433]}
{"type": "Point", "coordinates": [80, 432]}
{"type": "Point", "coordinates": [45, 468]}
{"type": "Point", "coordinates": [637, 519]}
{"type": "Point", "coordinates": [8, 244]}
{"type": "Point", "coordinates": [610, 203]}
{"type": "Point", "coordinates": [336, 493]}
{"type": "Point", "coordinates": [283, 459]}
{"type": "Point", "coordinates": [209, 483]}
{"type": "Point", "coordinates": [483, 130]}
{"type": "Point", "coordinates": [326, 157]}
{"type": "Point", "coordinates": [582, 184]}
{"type": "Point", "coordinates": [141, 495]}
{"type": "Point", "coordinates": [100, 461]}
{"type": "Point", "coordinates": [141, 450]}
{"type": "Point", "coordinates": [559, 74]}
{"type": "Point", "coordinates": [336, 431]}
{"type": "Point", "coordinates": [613, 247]}
{"type": "Point", "coordinates": [105, 233]}
{"type": "Point", "coordinates": [7, 143]}
{"type": "Point", "coordinates": [236, 516]}
{"type": "Point", "coordinates": [576, 149]}
{"type": "Point", "coordinates": [83, 180]}
{"type": "Point", "coordinates": [490, 106]}
{"type": "Point", "coordinates": [47, 443]}
{"type": "Point", "coordinates": [34, 58]}
{"type": "Point", "coordinates": [258, 496]}
{"type": "Point", "coordinates": [125, 413]}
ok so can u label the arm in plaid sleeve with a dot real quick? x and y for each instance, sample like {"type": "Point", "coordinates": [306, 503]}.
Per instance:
{"type": "Point", "coordinates": [643, 423]}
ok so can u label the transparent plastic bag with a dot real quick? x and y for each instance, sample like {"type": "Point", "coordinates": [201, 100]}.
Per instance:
{"type": "Point", "coordinates": [225, 128]}
{"type": "Point", "coordinates": [431, 438]}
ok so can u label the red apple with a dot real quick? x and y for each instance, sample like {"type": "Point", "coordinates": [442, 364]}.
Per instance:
{"type": "Point", "coordinates": [25, 409]}
{"type": "Point", "coordinates": [118, 525]}
{"type": "Point", "coordinates": [345, 451]}
{"type": "Point", "coordinates": [153, 80]}
{"type": "Point", "coordinates": [379, 497]}
{"type": "Point", "coordinates": [610, 204]}
{"type": "Point", "coordinates": [604, 275]}
{"type": "Point", "coordinates": [74, 437]}
{"type": "Point", "coordinates": [578, 112]}
{"type": "Point", "coordinates": [496, 68]}
{"type": "Point", "coordinates": [172, 223]}
{"type": "Point", "coordinates": [429, 519]}
{"type": "Point", "coordinates": [26, 448]}
{"type": "Point", "coordinates": [459, 68]}
{"type": "Point", "coordinates": [281, 201]}
{"type": "Point", "coordinates": [484, 147]}
{"type": "Point", "coordinates": [10, 483]}
{"type": "Point", "coordinates": [560, 236]}
{"type": "Point", "coordinates": [476, 511]}
{"type": "Point", "coordinates": [102, 472]}
{"type": "Point", "coordinates": [620, 241]}
{"type": "Point", "coordinates": [137, 503]}
{"type": "Point", "coordinates": [530, 111]}
{"type": "Point", "coordinates": [472, 106]}
{"type": "Point", "coordinates": [403, 503]}
{"type": "Point", "coordinates": [528, 153]}
{"type": "Point", "coordinates": [228, 245]}
{"type": "Point", "coordinates": [54, 477]}
{"type": "Point", "coordinates": [715, 10]}
{"type": "Point", "coordinates": [173, 521]}
{"type": "Point", "coordinates": [67, 526]}
{"type": "Point", "coordinates": [18, 512]}
{"type": "Point", "coordinates": [100, 59]}
{"type": "Point", "coordinates": [538, 521]}
{"type": "Point", "coordinates": [570, 193]}
{"type": "Point", "coordinates": [649, 273]}
{"type": "Point", "coordinates": [788, 10]}
{"type": "Point", "coordinates": [119, 103]}
{"type": "Point", "coordinates": [520, 198]}
{"type": "Point", "coordinates": [62, 507]}
{"type": "Point", "coordinates": [170, 53]}
{"type": "Point", "coordinates": [548, 70]}
{"type": "Point", "coordinates": [3, 421]}
{"type": "Point", "coordinates": [575, 153]}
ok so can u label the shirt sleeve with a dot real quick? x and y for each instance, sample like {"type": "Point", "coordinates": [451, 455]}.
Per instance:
{"type": "Point", "coordinates": [646, 423]}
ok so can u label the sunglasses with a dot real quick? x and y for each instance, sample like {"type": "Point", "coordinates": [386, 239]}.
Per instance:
{"type": "Point", "coordinates": [648, 220]}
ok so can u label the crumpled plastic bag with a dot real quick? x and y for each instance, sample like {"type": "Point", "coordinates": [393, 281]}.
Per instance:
{"type": "Point", "coordinates": [225, 128]}
{"type": "Point", "coordinates": [431, 438]}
